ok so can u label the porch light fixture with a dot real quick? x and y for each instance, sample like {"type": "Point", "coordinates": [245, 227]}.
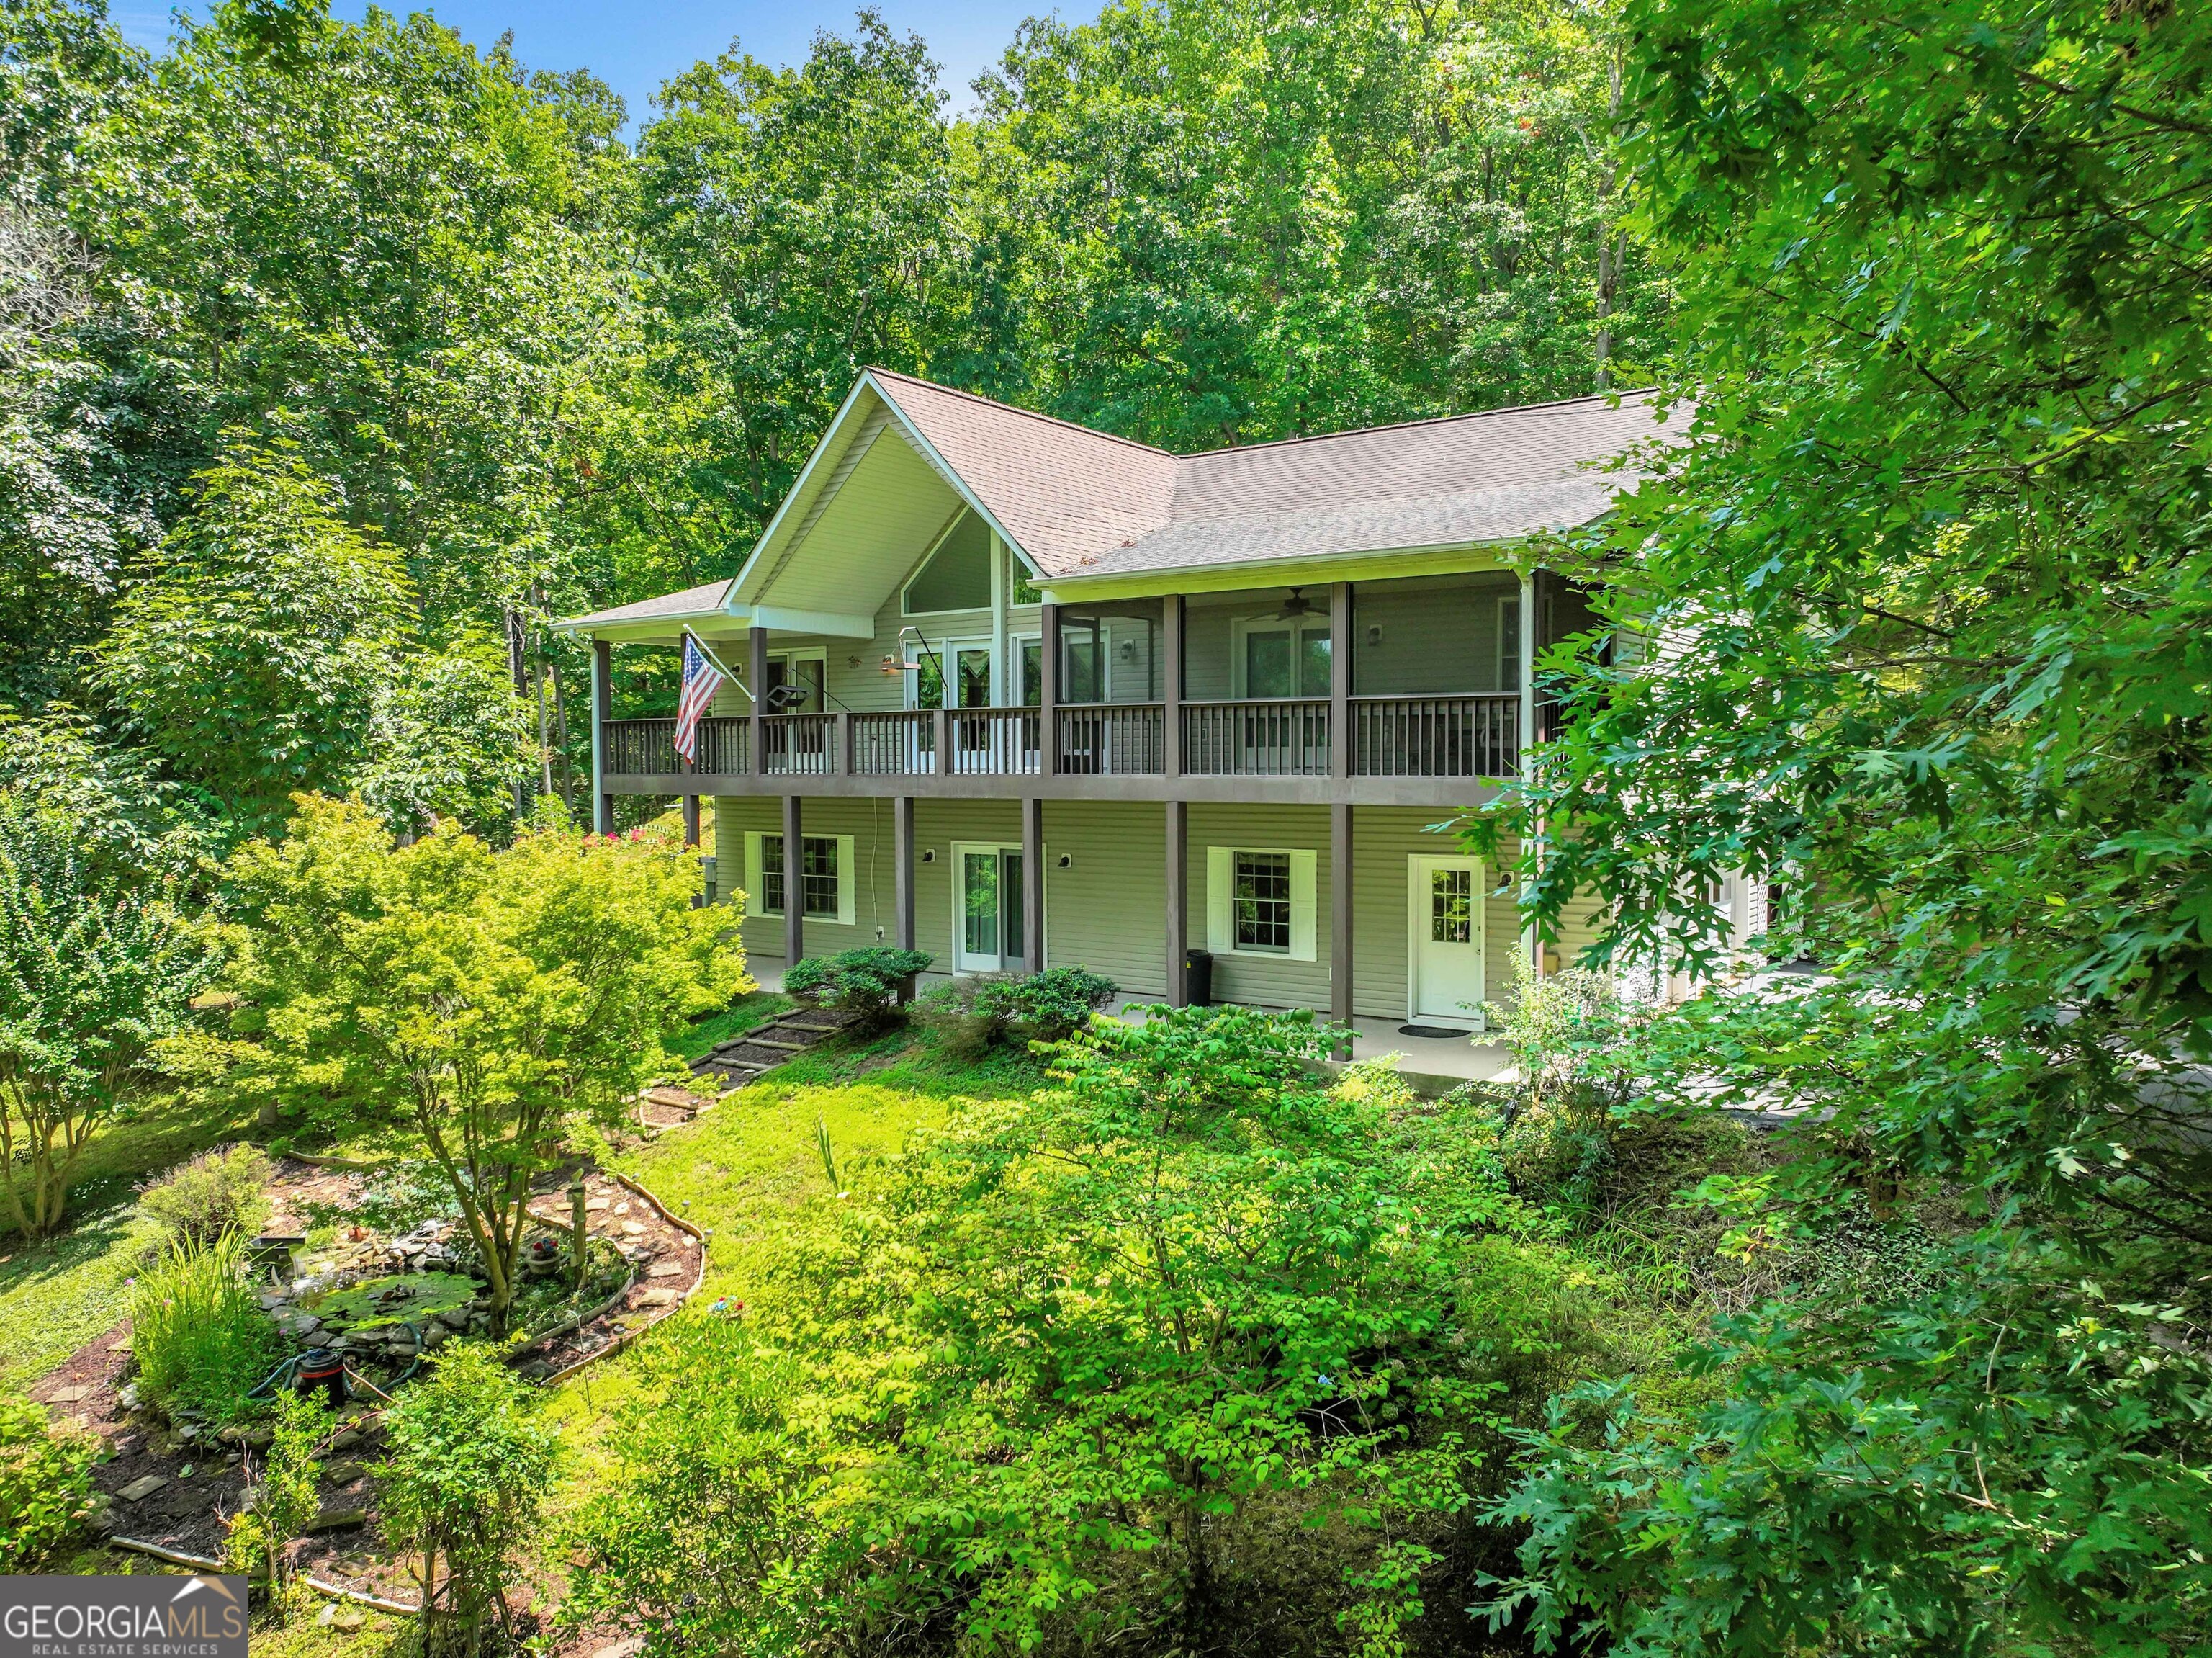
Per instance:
{"type": "Point", "coordinates": [1296, 605]}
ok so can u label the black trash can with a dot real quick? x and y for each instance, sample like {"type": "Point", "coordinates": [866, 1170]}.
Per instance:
{"type": "Point", "coordinates": [1198, 977]}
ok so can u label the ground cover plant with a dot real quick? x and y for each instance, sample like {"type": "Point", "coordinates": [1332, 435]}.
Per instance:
{"type": "Point", "coordinates": [218, 1191]}
{"type": "Point", "coordinates": [46, 1484]}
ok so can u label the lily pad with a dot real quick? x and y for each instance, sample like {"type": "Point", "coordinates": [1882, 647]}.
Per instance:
{"type": "Point", "coordinates": [365, 1305]}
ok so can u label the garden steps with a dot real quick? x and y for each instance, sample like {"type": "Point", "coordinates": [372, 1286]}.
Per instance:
{"type": "Point", "coordinates": [741, 1059]}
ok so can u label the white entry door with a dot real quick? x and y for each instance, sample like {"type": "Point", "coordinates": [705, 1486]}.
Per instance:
{"type": "Point", "coordinates": [1444, 958]}
{"type": "Point", "coordinates": [987, 908]}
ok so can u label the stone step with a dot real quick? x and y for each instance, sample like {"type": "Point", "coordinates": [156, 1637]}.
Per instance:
{"type": "Point", "coordinates": [779, 1040]}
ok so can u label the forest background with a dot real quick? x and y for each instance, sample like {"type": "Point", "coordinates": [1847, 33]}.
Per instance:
{"type": "Point", "coordinates": [415, 314]}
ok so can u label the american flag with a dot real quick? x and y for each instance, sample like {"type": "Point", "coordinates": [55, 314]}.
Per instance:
{"type": "Point", "coordinates": [701, 679]}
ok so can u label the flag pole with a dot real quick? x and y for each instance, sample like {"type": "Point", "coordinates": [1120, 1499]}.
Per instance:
{"type": "Point", "coordinates": [717, 662]}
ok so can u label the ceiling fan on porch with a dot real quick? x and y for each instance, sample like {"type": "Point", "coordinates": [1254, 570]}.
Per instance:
{"type": "Point", "coordinates": [1296, 606]}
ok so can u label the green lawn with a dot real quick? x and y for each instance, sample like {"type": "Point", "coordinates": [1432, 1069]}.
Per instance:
{"type": "Point", "coordinates": [55, 1296]}
{"type": "Point", "coordinates": [741, 1015]}
{"type": "Point", "coordinates": [739, 1171]}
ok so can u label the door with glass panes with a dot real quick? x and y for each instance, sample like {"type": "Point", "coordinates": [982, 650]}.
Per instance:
{"type": "Point", "coordinates": [987, 909]}
{"type": "Point", "coordinates": [1446, 957]}
{"type": "Point", "coordinates": [1287, 661]}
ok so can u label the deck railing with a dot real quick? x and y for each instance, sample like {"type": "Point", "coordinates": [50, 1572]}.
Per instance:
{"type": "Point", "coordinates": [1256, 739]}
{"type": "Point", "coordinates": [1435, 736]}
{"type": "Point", "coordinates": [1124, 739]}
{"type": "Point", "coordinates": [1468, 737]}
{"type": "Point", "coordinates": [998, 742]}
{"type": "Point", "coordinates": [896, 744]}
{"type": "Point", "coordinates": [800, 745]}
{"type": "Point", "coordinates": [641, 746]}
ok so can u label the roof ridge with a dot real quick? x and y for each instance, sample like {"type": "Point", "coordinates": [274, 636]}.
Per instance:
{"type": "Point", "coordinates": [1427, 420]}
{"type": "Point", "coordinates": [1027, 414]}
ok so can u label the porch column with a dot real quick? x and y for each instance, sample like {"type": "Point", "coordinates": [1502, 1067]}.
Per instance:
{"type": "Point", "coordinates": [691, 809]}
{"type": "Point", "coordinates": [1171, 716]}
{"type": "Point", "coordinates": [1178, 916]}
{"type": "Point", "coordinates": [1339, 916]}
{"type": "Point", "coordinates": [902, 864]}
{"type": "Point", "coordinates": [795, 897]}
{"type": "Point", "coordinates": [603, 705]}
{"type": "Point", "coordinates": [755, 687]}
{"type": "Point", "coordinates": [1339, 679]}
{"type": "Point", "coordinates": [1032, 884]}
{"type": "Point", "coordinates": [1049, 689]}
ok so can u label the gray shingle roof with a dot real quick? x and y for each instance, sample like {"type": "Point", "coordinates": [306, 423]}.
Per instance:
{"type": "Point", "coordinates": [1065, 493]}
{"type": "Point", "coordinates": [691, 601]}
{"type": "Point", "coordinates": [1081, 502]}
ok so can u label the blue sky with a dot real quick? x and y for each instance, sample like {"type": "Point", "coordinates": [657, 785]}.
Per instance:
{"type": "Point", "coordinates": [636, 44]}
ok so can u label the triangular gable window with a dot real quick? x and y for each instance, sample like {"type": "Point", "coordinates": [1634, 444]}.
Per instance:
{"type": "Point", "coordinates": [956, 575]}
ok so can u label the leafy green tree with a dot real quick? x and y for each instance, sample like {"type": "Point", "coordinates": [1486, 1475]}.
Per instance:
{"type": "Point", "coordinates": [95, 972]}
{"type": "Point", "coordinates": [255, 656]}
{"type": "Point", "coordinates": [1915, 628]}
{"type": "Point", "coordinates": [472, 1461]}
{"type": "Point", "coordinates": [482, 1000]}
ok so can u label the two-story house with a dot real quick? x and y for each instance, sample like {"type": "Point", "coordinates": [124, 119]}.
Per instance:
{"type": "Point", "coordinates": [1031, 694]}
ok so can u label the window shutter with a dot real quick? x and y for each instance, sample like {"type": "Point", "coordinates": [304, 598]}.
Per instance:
{"type": "Point", "coordinates": [1220, 891]}
{"type": "Point", "coordinates": [846, 867]}
{"type": "Point", "coordinates": [1303, 884]}
{"type": "Point", "coordinates": [753, 874]}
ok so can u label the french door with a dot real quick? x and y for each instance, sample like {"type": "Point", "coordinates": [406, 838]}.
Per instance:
{"type": "Point", "coordinates": [987, 909]}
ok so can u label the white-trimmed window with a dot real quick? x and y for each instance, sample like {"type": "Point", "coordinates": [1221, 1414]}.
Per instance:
{"type": "Point", "coordinates": [1259, 901]}
{"type": "Point", "coordinates": [825, 876]}
{"type": "Point", "coordinates": [1509, 642]}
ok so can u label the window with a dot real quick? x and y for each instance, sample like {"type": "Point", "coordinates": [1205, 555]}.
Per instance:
{"type": "Point", "coordinates": [1509, 643]}
{"type": "Point", "coordinates": [1451, 906]}
{"type": "Point", "coordinates": [1282, 659]}
{"type": "Point", "coordinates": [824, 890]}
{"type": "Point", "coordinates": [1259, 901]}
{"type": "Point", "coordinates": [1262, 900]}
{"type": "Point", "coordinates": [957, 575]}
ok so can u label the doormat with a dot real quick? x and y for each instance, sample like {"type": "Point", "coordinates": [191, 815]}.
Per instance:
{"type": "Point", "coordinates": [1429, 1030]}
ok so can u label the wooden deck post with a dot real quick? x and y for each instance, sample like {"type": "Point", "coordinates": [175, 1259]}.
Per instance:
{"type": "Point", "coordinates": [603, 708]}
{"type": "Point", "coordinates": [902, 877]}
{"type": "Point", "coordinates": [1171, 695]}
{"type": "Point", "coordinates": [1339, 916]}
{"type": "Point", "coordinates": [1049, 689]}
{"type": "Point", "coordinates": [690, 815]}
{"type": "Point", "coordinates": [1339, 681]}
{"type": "Point", "coordinates": [1032, 884]}
{"type": "Point", "coordinates": [1178, 913]}
{"type": "Point", "coordinates": [794, 894]}
{"type": "Point", "coordinates": [756, 688]}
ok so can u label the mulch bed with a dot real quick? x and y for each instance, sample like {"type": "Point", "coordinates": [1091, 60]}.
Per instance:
{"type": "Point", "coordinates": [201, 1484]}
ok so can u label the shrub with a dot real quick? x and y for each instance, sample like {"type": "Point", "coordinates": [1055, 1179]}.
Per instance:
{"type": "Point", "coordinates": [200, 1337]}
{"type": "Point", "coordinates": [971, 1015]}
{"type": "Point", "coordinates": [45, 1484]}
{"type": "Point", "coordinates": [862, 982]}
{"type": "Point", "coordinates": [282, 1499]}
{"type": "Point", "coordinates": [1168, 1358]}
{"type": "Point", "coordinates": [471, 1461]}
{"type": "Point", "coordinates": [218, 1191]}
{"type": "Point", "coordinates": [705, 1539]}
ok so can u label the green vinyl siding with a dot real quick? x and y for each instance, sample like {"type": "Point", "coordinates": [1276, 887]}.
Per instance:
{"type": "Point", "coordinates": [1107, 910]}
